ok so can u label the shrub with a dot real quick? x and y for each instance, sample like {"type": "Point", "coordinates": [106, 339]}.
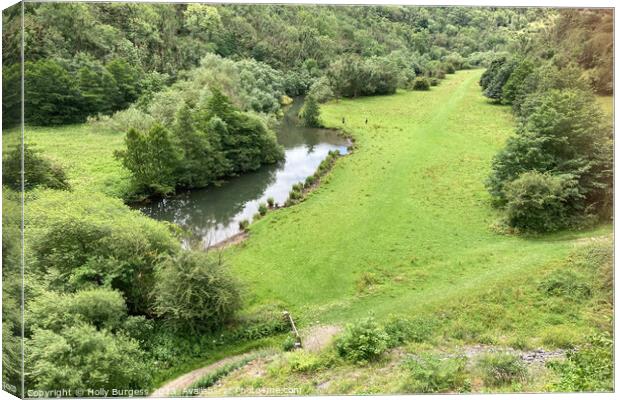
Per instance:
{"type": "Point", "coordinates": [589, 369]}
{"type": "Point", "coordinates": [421, 84]}
{"type": "Point", "coordinates": [539, 202]}
{"type": "Point", "coordinates": [105, 360]}
{"type": "Point", "coordinates": [244, 224]}
{"type": "Point", "coordinates": [289, 343]}
{"type": "Point", "coordinates": [434, 81]}
{"type": "Point", "coordinates": [303, 361]}
{"type": "Point", "coordinates": [501, 369]}
{"type": "Point", "coordinates": [363, 341]}
{"type": "Point", "coordinates": [310, 181]}
{"type": "Point", "coordinates": [195, 292]}
{"type": "Point", "coordinates": [102, 244]}
{"type": "Point", "coordinates": [429, 374]}
{"type": "Point", "coordinates": [271, 202]}
{"type": "Point", "coordinates": [402, 330]}
{"type": "Point", "coordinates": [566, 283]}
{"type": "Point", "coordinates": [38, 170]}
{"type": "Point", "coordinates": [262, 209]}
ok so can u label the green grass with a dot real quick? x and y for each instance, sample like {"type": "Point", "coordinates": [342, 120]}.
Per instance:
{"type": "Point", "coordinates": [408, 206]}
{"type": "Point", "coordinates": [86, 154]}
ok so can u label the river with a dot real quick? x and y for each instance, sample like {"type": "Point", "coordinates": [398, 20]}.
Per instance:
{"type": "Point", "coordinates": [212, 215]}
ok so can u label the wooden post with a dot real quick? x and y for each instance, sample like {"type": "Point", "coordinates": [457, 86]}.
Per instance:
{"type": "Point", "coordinates": [294, 328]}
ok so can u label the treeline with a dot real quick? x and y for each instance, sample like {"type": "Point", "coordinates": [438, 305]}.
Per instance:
{"type": "Point", "coordinates": [99, 57]}
{"type": "Point", "coordinates": [557, 171]}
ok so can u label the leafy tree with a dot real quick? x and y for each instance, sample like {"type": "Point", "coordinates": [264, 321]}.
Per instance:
{"type": "Point", "coordinates": [51, 95]}
{"type": "Point", "coordinates": [152, 158]}
{"type": "Point", "coordinates": [11, 94]}
{"type": "Point", "coordinates": [128, 83]}
{"type": "Point", "coordinates": [195, 292]}
{"type": "Point", "coordinates": [495, 87]}
{"type": "Point", "coordinates": [310, 112]}
{"type": "Point", "coordinates": [38, 170]}
{"type": "Point", "coordinates": [98, 89]}
{"type": "Point", "coordinates": [514, 86]}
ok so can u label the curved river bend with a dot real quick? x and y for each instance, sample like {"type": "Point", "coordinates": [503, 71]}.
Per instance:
{"type": "Point", "coordinates": [212, 215]}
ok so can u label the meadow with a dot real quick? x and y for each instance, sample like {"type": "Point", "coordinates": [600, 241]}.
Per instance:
{"type": "Point", "coordinates": [403, 226]}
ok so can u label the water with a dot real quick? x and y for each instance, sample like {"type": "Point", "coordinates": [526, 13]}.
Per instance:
{"type": "Point", "coordinates": [212, 215]}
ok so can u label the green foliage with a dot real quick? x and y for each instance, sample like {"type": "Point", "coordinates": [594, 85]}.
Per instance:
{"type": "Point", "coordinates": [102, 244]}
{"type": "Point", "coordinates": [540, 202]}
{"type": "Point", "coordinates": [262, 209]}
{"type": "Point", "coordinates": [564, 139]}
{"type": "Point", "coordinates": [105, 360]}
{"type": "Point", "coordinates": [101, 308]}
{"type": "Point", "coordinates": [244, 224]}
{"type": "Point", "coordinates": [271, 203]}
{"type": "Point", "coordinates": [589, 369]}
{"type": "Point", "coordinates": [515, 84]}
{"type": "Point", "coordinates": [363, 341]}
{"type": "Point", "coordinates": [566, 283]}
{"type": "Point", "coordinates": [353, 76]}
{"type": "Point", "coordinates": [421, 84]}
{"type": "Point", "coordinates": [51, 94]}
{"type": "Point", "coordinates": [194, 292]}
{"type": "Point", "coordinates": [430, 374]}
{"type": "Point", "coordinates": [310, 112]}
{"type": "Point", "coordinates": [402, 330]}
{"type": "Point", "coordinates": [38, 170]}
{"type": "Point", "coordinates": [213, 377]}
{"type": "Point", "coordinates": [152, 158]}
{"type": "Point", "coordinates": [501, 369]}
{"type": "Point", "coordinates": [498, 74]}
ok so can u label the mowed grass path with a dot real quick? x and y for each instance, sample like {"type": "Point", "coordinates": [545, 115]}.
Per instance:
{"type": "Point", "coordinates": [409, 208]}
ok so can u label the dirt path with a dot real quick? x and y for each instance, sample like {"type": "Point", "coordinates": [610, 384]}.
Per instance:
{"type": "Point", "coordinates": [184, 381]}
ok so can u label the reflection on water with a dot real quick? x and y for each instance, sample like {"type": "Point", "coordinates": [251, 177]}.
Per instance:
{"type": "Point", "coordinates": [213, 214]}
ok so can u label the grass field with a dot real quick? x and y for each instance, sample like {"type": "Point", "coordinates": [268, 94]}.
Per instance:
{"type": "Point", "coordinates": [401, 226]}
{"type": "Point", "coordinates": [407, 214]}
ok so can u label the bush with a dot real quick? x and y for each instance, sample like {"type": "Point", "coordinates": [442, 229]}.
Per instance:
{"type": "Point", "coordinates": [539, 202]}
{"type": "Point", "coordinates": [38, 170]}
{"type": "Point", "coordinates": [194, 292]}
{"type": "Point", "coordinates": [363, 341]}
{"type": "Point", "coordinates": [271, 202]}
{"type": "Point", "coordinates": [402, 330]}
{"type": "Point", "coordinates": [102, 244]}
{"type": "Point", "coordinates": [429, 374]}
{"type": "Point", "coordinates": [421, 84]}
{"type": "Point", "coordinates": [105, 360]}
{"type": "Point", "coordinates": [566, 283]}
{"type": "Point", "coordinates": [589, 369]}
{"type": "Point", "coordinates": [501, 369]}
{"type": "Point", "coordinates": [262, 209]}
{"type": "Point", "coordinates": [434, 81]}
{"type": "Point", "coordinates": [244, 224]}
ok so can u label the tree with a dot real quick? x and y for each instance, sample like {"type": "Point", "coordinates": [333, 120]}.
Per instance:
{"type": "Point", "coordinates": [310, 112]}
{"type": "Point", "coordinates": [153, 160]}
{"type": "Point", "coordinates": [51, 95]}
{"type": "Point", "coordinates": [98, 89]}
{"type": "Point", "coordinates": [128, 83]}
{"type": "Point", "coordinates": [195, 292]}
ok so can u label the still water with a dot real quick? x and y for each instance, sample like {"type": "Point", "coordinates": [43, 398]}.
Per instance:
{"type": "Point", "coordinates": [212, 215]}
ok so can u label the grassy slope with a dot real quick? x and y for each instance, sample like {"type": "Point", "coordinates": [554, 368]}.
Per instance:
{"type": "Point", "coordinates": [409, 207]}
{"type": "Point", "coordinates": [86, 153]}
